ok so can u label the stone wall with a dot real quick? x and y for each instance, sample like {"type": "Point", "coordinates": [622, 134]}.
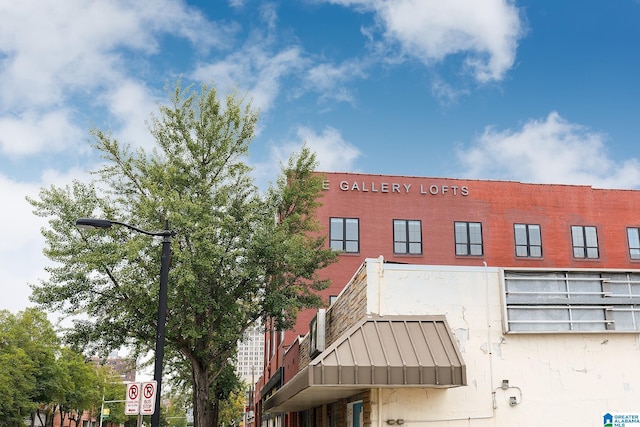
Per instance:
{"type": "Point", "coordinates": [304, 353]}
{"type": "Point", "coordinates": [346, 311]}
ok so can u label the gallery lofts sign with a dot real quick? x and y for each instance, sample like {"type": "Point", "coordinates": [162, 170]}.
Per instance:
{"type": "Point", "coordinates": [397, 187]}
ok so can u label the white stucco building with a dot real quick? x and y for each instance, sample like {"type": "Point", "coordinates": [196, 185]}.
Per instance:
{"type": "Point", "coordinates": [425, 345]}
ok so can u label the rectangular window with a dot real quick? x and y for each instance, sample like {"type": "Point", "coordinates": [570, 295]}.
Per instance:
{"type": "Point", "coordinates": [273, 342]}
{"type": "Point", "coordinates": [585, 241]}
{"type": "Point", "coordinates": [407, 237]}
{"type": "Point", "coordinates": [572, 301]}
{"type": "Point", "coordinates": [468, 237]}
{"type": "Point", "coordinates": [528, 240]}
{"type": "Point", "coordinates": [634, 242]}
{"type": "Point", "coordinates": [345, 234]}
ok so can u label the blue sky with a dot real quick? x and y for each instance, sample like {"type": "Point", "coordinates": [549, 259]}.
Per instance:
{"type": "Point", "coordinates": [534, 91]}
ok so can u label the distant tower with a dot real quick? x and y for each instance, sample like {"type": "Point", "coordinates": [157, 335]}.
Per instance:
{"type": "Point", "coordinates": [122, 366]}
{"type": "Point", "coordinates": [250, 353]}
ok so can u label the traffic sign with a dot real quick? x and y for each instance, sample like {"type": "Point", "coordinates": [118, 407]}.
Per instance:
{"type": "Point", "coordinates": [148, 398]}
{"type": "Point", "coordinates": [132, 402]}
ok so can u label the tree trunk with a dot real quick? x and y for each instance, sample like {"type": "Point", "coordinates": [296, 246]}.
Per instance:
{"type": "Point", "coordinates": [216, 412]}
{"type": "Point", "coordinates": [203, 416]}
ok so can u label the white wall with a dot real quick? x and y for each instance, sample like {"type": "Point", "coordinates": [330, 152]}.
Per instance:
{"type": "Point", "coordinates": [557, 379]}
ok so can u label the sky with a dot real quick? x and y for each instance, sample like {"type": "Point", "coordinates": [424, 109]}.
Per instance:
{"type": "Point", "coordinates": [538, 91]}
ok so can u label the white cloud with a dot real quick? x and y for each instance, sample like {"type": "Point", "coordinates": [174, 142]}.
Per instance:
{"type": "Point", "coordinates": [263, 64]}
{"type": "Point", "coordinates": [548, 151]}
{"type": "Point", "coordinates": [53, 53]}
{"type": "Point", "coordinates": [484, 32]}
{"type": "Point", "coordinates": [269, 15]}
{"type": "Point", "coordinates": [132, 105]}
{"type": "Point", "coordinates": [332, 151]}
{"type": "Point", "coordinates": [446, 93]}
{"type": "Point", "coordinates": [253, 70]}
{"type": "Point", "coordinates": [259, 67]}
{"type": "Point", "coordinates": [51, 177]}
{"type": "Point", "coordinates": [21, 245]}
{"type": "Point", "coordinates": [237, 4]}
{"type": "Point", "coordinates": [271, 71]}
{"type": "Point", "coordinates": [33, 132]}
{"type": "Point", "coordinates": [331, 80]}
{"type": "Point", "coordinates": [21, 255]}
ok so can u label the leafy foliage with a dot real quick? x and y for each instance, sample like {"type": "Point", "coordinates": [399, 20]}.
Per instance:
{"type": "Point", "coordinates": [232, 261]}
{"type": "Point", "coordinates": [39, 377]}
{"type": "Point", "coordinates": [27, 355]}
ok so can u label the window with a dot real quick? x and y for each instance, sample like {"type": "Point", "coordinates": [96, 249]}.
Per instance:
{"type": "Point", "coordinates": [273, 341]}
{"type": "Point", "coordinates": [528, 241]}
{"type": "Point", "coordinates": [468, 238]}
{"type": "Point", "coordinates": [634, 242]}
{"type": "Point", "coordinates": [407, 237]}
{"type": "Point", "coordinates": [345, 235]}
{"type": "Point", "coordinates": [572, 301]}
{"type": "Point", "coordinates": [585, 242]}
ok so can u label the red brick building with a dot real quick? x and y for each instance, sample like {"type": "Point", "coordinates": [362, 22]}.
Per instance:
{"type": "Point", "coordinates": [441, 221]}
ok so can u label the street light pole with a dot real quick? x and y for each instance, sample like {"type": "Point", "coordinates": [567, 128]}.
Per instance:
{"type": "Point", "coordinates": [162, 296]}
{"type": "Point", "coordinates": [162, 319]}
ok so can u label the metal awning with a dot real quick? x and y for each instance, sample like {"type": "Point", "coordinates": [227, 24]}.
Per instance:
{"type": "Point", "coordinates": [394, 351]}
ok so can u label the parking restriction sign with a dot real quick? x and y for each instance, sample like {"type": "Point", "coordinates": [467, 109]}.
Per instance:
{"type": "Point", "coordinates": [148, 398]}
{"type": "Point", "coordinates": [132, 402]}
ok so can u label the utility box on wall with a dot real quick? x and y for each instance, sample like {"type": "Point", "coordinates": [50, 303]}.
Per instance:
{"type": "Point", "coordinates": [317, 333]}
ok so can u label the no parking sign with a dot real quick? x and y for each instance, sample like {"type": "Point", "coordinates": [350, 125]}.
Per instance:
{"type": "Point", "coordinates": [148, 398]}
{"type": "Point", "coordinates": [132, 402]}
{"type": "Point", "coordinates": [141, 398]}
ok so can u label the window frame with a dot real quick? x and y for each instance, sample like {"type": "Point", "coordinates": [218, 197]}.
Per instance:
{"type": "Point", "coordinates": [571, 301]}
{"type": "Point", "coordinates": [634, 251]}
{"type": "Point", "coordinates": [583, 242]}
{"type": "Point", "coordinates": [407, 242]}
{"type": "Point", "coordinates": [344, 240]}
{"type": "Point", "coordinates": [468, 244]}
{"type": "Point", "coordinates": [527, 245]}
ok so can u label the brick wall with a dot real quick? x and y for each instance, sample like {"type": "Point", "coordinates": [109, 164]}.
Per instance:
{"type": "Point", "coordinates": [496, 204]}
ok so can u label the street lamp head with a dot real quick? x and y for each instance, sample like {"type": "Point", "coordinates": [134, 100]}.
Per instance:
{"type": "Point", "coordinates": [91, 223]}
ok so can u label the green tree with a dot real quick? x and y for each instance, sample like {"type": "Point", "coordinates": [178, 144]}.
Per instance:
{"type": "Point", "coordinates": [226, 387]}
{"type": "Point", "coordinates": [16, 374]}
{"type": "Point", "coordinates": [231, 407]}
{"type": "Point", "coordinates": [113, 392]}
{"type": "Point", "coordinates": [232, 262]}
{"type": "Point", "coordinates": [176, 408]}
{"type": "Point", "coordinates": [83, 390]}
{"type": "Point", "coordinates": [28, 369]}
